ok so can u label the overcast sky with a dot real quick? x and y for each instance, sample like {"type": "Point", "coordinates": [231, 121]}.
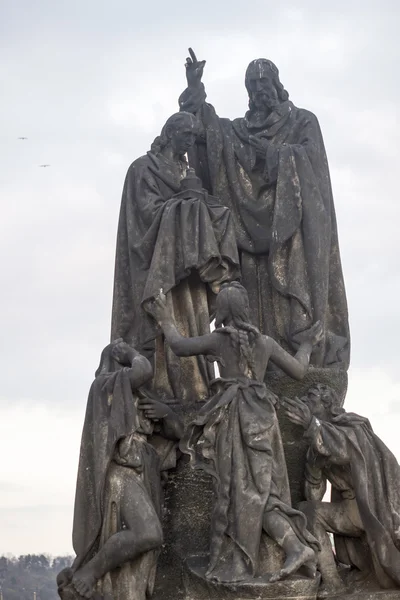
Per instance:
{"type": "Point", "coordinates": [90, 83]}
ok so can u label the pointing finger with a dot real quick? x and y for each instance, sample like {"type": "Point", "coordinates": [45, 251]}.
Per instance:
{"type": "Point", "coordinates": [192, 54]}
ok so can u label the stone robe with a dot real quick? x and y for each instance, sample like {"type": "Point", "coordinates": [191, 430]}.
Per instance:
{"type": "Point", "coordinates": [183, 243]}
{"type": "Point", "coordinates": [236, 439]}
{"type": "Point", "coordinates": [117, 465]}
{"type": "Point", "coordinates": [358, 464]}
{"type": "Point", "coordinates": [285, 220]}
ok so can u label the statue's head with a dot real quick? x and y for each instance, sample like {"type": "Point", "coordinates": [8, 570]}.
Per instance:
{"type": "Point", "coordinates": [179, 132]}
{"type": "Point", "coordinates": [323, 402]}
{"type": "Point", "coordinates": [263, 85]}
{"type": "Point", "coordinates": [232, 306]}
{"type": "Point", "coordinates": [115, 355]}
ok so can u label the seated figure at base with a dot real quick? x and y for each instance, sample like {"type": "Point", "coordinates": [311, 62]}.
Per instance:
{"type": "Point", "coordinates": [117, 530]}
{"type": "Point", "coordinates": [364, 514]}
{"type": "Point", "coordinates": [236, 438]}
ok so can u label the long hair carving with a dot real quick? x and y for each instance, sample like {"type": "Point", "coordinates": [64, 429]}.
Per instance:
{"type": "Point", "coordinates": [233, 308]}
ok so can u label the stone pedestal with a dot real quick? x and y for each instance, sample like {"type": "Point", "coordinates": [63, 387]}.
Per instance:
{"type": "Point", "coordinates": [197, 587]}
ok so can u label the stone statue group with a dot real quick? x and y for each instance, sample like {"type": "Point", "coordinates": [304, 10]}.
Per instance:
{"type": "Point", "coordinates": [230, 222]}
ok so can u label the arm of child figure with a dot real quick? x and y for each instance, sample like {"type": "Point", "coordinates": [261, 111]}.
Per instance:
{"type": "Point", "coordinates": [181, 345]}
{"type": "Point", "coordinates": [296, 366]}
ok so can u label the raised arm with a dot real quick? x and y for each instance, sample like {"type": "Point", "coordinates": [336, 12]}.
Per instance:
{"type": "Point", "coordinates": [180, 345]}
{"type": "Point", "coordinates": [194, 96]}
{"type": "Point", "coordinates": [296, 366]}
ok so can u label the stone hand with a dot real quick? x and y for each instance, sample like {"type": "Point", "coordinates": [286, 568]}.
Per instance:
{"type": "Point", "coordinates": [123, 352]}
{"type": "Point", "coordinates": [159, 308]}
{"type": "Point", "coordinates": [313, 335]}
{"type": "Point", "coordinates": [153, 409]}
{"type": "Point", "coordinates": [297, 411]}
{"type": "Point", "coordinates": [194, 69]}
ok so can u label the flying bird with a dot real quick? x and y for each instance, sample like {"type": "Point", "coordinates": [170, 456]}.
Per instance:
{"type": "Point", "coordinates": [44, 165]}
{"type": "Point", "coordinates": [22, 138]}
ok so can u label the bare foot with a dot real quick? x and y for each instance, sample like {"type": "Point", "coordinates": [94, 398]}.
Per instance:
{"type": "Point", "coordinates": [295, 560]}
{"type": "Point", "coordinates": [84, 581]}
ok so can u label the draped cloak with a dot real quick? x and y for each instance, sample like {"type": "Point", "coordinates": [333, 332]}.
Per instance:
{"type": "Point", "coordinates": [285, 220]}
{"type": "Point", "coordinates": [112, 418]}
{"type": "Point", "coordinates": [236, 438]}
{"type": "Point", "coordinates": [182, 243]}
{"type": "Point", "coordinates": [374, 475]}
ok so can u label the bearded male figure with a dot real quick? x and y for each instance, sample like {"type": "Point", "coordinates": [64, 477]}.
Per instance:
{"type": "Point", "coordinates": [270, 168]}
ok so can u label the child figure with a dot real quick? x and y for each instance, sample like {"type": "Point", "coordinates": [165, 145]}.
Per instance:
{"type": "Point", "coordinates": [236, 438]}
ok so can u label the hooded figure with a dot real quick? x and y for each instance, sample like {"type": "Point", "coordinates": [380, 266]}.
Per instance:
{"type": "Point", "coordinates": [270, 168]}
{"type": "Point", "coordinates": [117, 530]}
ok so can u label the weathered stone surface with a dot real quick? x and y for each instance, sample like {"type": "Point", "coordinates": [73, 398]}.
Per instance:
{"type": "Point", "coordinates": [197, 587]}
{"type": "Point", "coordinates": [188, 503]}
{"type": "Point", "coordinates": [295, 446]}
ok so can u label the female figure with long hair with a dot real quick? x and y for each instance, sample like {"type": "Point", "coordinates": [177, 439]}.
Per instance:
{"type": "Point", "coordinates": [236, 438]}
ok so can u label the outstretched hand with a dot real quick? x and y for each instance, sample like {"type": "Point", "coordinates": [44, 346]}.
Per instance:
{"type": "Point", "coordinates": [158, 308]}
{"type": "Point", "coordinates": [297, 411]}
{"type": "Point", "coordinates": [312, 335]}
{"type": "Point", "coordinates": [194, 69]}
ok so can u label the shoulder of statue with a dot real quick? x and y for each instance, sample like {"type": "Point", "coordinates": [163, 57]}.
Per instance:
{"type": "Point", "coordinates": [305, 115]}
{"type": "Point", "coordinates": [138, 163]}
{"type": "Point", "coordinates": [143, 164]}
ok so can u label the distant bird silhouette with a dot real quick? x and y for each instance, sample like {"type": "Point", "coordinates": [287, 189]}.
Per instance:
{"type": "Point", "coordinates": [22, 138]}
{"type": "Point", "coordinates": [44, 165]}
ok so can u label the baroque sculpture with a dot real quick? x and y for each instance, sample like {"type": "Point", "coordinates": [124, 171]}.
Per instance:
{"type": "Point", "coordinates": [236, 438]}
{"type": "Point", "coordinates": [192, 487]}
{"type": "Point", "coordinates": [117, 531]}
{"type": "Point", "coordinates": [171, 235]}
{"type": "Point", "coordinates": [364, 514]}
{"type": "Point", "coordinates": [270, 168]}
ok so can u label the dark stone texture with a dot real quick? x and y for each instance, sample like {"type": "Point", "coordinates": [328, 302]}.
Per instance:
{"type": "Point", "coordinates": [189, 493]}
{"type": "Point", "coordinates": [172, 235]}
{"type": "Point", "coordinates": [188, 501]}
{"type": "Point", "coordinates": [197, 587]}
{"type": "Point", "coordinates": [270, 168]}
{"type": "Point", "coordinates": [129, 438]}
{"type": "Point", "coordinates": [254, 203]}
{"type": "Point", "coordinates": [294, 444]}
{"type": "Point", "coordinates": [364, 514]}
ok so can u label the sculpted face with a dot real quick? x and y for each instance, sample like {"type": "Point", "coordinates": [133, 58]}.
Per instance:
{"type": "Point", "coordinates": [261, 81]}
{"type": "Point", "coordinates": [315, 404]}
{"type": "Point", "coordinates": [182, 136]}
{"type": "Point", "coordinates": [262, 91]}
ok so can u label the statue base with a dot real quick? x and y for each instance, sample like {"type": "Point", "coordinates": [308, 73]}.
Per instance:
{"type": "Point", "coordinates": [197, 587]}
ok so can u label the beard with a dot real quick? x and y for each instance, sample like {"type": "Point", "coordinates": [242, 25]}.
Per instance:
{"type": "Point", "coordinates": [264, 101]}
